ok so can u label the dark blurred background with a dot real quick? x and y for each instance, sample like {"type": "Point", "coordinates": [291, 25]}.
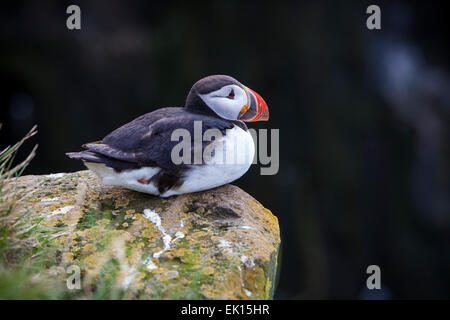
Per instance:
{"type": "Point", "coordinates": [363, 117]}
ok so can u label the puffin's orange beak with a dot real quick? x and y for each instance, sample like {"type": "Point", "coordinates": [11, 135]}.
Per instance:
{"type": "Point", "coordinates": [256, 108]}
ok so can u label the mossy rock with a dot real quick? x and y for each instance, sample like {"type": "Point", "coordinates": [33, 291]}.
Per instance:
{"type": "Point", "coordinates": [216, 244]}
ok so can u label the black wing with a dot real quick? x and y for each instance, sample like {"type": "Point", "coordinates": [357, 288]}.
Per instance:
{"type": "Point", "coordinates": [146, 141]}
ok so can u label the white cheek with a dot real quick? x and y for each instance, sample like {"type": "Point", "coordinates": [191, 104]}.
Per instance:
{"type": "Point", "coordinates": [223, 106]}
{"type": "Point", "coordinates": [241, 100]}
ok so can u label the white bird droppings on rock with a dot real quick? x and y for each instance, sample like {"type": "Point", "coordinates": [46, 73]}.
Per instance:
{"type": "Point", "coordinates": [150, 264]}
{"type": "Point", "coordinates": [50, 199]}
{"type": "Point", "coordinates": [247, 292]}
{"type": "Point", "coordinates": [166, 239]}
{"type": "Point", "coordinates": [154, 217]}
{"type": "Point", "coordinates": [55, 175]}
{"type": "Point", "coordinates": [179, 235]}
{"type": "Point", "coordinates": [62, 210]}
{"type": "Point", "coordinates": [224, 243]}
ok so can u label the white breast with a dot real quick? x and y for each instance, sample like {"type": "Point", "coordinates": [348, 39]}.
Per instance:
{"type": "Point", "coordinates": [232, 158]}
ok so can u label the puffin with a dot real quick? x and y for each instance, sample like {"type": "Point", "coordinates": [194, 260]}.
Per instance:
{"type": "Point", "coordinates": [144, 154]}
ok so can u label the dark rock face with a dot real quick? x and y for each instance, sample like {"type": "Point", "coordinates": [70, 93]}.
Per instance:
{"type": "Point", "coordinates": [217, 244]}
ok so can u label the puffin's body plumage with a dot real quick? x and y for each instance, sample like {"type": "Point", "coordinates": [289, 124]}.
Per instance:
{"type": "Point", "coordinates": [138, 155]}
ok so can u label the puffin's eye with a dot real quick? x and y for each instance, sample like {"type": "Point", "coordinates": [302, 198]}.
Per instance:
{"type": "Point", "coordinates": [231, 94]}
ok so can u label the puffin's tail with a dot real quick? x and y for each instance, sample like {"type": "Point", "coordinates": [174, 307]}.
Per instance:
{"type": "Point", "coordinates": [94, 157]}
{"type": "Point", "coordinates": [87, 155]}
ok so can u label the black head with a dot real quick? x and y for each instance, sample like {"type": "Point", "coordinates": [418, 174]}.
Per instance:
{"type": "Point", "coordinates": [224, 96]}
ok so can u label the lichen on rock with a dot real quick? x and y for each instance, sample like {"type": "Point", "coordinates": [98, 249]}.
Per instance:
{"type": "Point", "coordinates": [216, 244]}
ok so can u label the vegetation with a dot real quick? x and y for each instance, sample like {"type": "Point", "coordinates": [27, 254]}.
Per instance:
{"type": "Point", "coordinates": [24, 250]}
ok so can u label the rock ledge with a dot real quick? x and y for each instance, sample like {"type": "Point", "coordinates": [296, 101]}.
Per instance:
{"type": "Point", "coordinates": [216, 244]}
